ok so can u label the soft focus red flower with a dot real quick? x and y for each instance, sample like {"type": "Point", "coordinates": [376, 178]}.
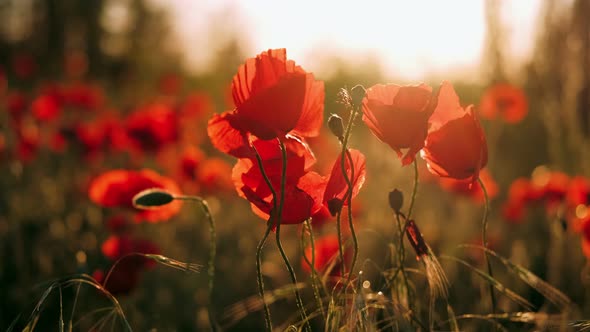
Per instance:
{"type": "Point", "coordinates": [273, 97]}
{"type": "Point", "coordinates": [335, 195]}
{"type": "Point", "coordinates": [190, 161]}
{"type": "Point", "coordinates": [28, 141]}
{"type": "Point", "coordinates": [117, 224]}
{"type": "Point", "coordinates": [455, 145]}
{"type": "Point", "coordinates": [504, 100]}
{"type": "Point", "coordinates": [472, 189]}
{"type": "Point", "coordinates": [83, 96]}
{"type": "Point", "coordinates": [116, 247]}
{"type": "Point", "coordinates": [46, 107]}
{"type": "Point", "coordinates": [125, 275]}
{"type": "Point", "coordinates": [116, 188]}
{"type": "Point", "coordinates": [196, 105]}
{"type": "Point", "coordinates": [214, 175]}
{"type": "Point", "coordinates": [152, 127]}
{"type": "Point", "coordinates": [16, 104]}
{"type": "Point", "coordinates": [398, 116]}
{"type": "Point", "coordinates": [326, 253]}
{"type": "Point", "coordinates": [578, 191]}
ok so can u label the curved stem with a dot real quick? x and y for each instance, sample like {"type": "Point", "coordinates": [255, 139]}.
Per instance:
{"type": "Point", "coordinates": [212, 249]}
{"type": "Point", "coordinates": [267, 319]}
{"type": "Point", "coordinates": [414, 190]}
{"type": "Point", "coordinates": [340, 242]}
{"type": "Point", "coordinates": [484, 240]}
{"type": "Point", "coordinates": [349, 209]}
{"type": "Point", "coordinates": [314, 276]}
{"type": "Point", "coordinates": [346, 154]}
{"type": "Point", "coordinates": [279, 215]}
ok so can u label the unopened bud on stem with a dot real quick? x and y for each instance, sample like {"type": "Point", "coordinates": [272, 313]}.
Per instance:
{"type": "Point", "coordinates": [396, 200]}
{"type": "Point", "coordinates": [357, 94]}
{"type": "Point", "coordinates": [336, 126]}
{"type": "Point", "coordinates": [152, 198]}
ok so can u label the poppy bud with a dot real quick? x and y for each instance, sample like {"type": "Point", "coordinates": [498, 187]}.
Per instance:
{"type": "Point", "coordinates": [152, 198]}
{"type": "Point", "coordinates": [335, 205]}
{"type": "Point", "coordinates": [357, 94]}
{"type": "Point", "coordinates": [396, 200]}
{"type": "Point", "coordinates": [336, 126]}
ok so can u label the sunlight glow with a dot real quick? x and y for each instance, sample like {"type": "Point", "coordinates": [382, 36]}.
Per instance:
{"type": "Point", "coordinates": [410, 38]}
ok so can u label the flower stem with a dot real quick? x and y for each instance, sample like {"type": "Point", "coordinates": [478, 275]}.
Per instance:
{"type": "Point", "coordinates": [314, 276]}
{"type": "Point", "coordinates": [349, 209]}
{"type": "Point", "coordinates": [267, 317]}
{"type": "Point", "coordinates": [484, 240]}
{"type": "Point", "coordinates": [340, 242]}
{"type": "Point", "coordinates": [346, 154]}
{"type": "Point", "coordinates": [279, 215]}
{"type": "Point", "coordinates": [414, 190]}
{"type": "Point", "coordinates": [212, 250]}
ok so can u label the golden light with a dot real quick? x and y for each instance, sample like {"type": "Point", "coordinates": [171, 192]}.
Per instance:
{"type": "Point", "coordinates": [409, 38]}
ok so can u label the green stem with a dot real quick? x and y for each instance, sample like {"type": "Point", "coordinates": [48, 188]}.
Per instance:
{"type": "Point", "coordinates": [212, 250]}
{"type": "Point", "coordinates": [484, 239]}
{"type": "Point", "coordinates": [346, 154]}
{"type": "Point", "coordinates": [278, 236]}
{"type": "Point", "coordinates": [340, 242]}
{"type": "Point", "coordinates": [314, 276]}
{"type": "Point", "coordinates": [349, 209]}
{"type": "Point", "coordinates": [414, 190]}
{"type": "Point", "coordinates": [267, 317]}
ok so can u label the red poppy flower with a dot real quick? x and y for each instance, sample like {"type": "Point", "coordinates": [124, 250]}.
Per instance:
{"type": "Point", "coordinates": [455, 145]}
{"type": "Point", "coordinates": [551, 186]}
{"type": "Point", "coordinates": [28, 142]}
{"type": "Point", "coordinates": [273, 97]}
{"type": "Point", "coordinates": [470, 189]}
{"type": "Point", "coordinates": [513, 211]}
{"type": "Point", "coordinates": [214, 175]}
{"type": "Point", "coordinates": [398, 116]}
{"type": "Point", "coordinates": [335, 195]}
{"type": "Point", "coordinates": [302, 196]}
{"type": "Point", "coordinates": [196, 105]}
{"type": "Point", "coordinates": [116, 188]}
{"type": "Point", "coordinates": [303, 191]}
{"type": "Point", "coordinates": [578, 191]}
{"type": "Point", "coordinates": [46, 107]}
{"type": "Point", "coordinates": [190, 161]}
{"type": "Point", "coordinates": [326, 252]}
{"type": "Point", "coordinates": [125, 275]}
{"type": "Point", "coordinates": [152, 127]}
{"type": "Point", "coordinates": [16, 104]}
{"type": "Point", "coordinates": [83, 96]}
{"type": "Point", "coordinates": [504, 100]}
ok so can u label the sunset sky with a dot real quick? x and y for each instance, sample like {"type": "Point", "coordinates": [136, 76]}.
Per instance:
{"type": "Point", "coordinates": [409, 38]}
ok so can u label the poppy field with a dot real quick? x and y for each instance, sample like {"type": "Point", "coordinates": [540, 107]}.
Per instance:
{"type": "Point", "coordinates": [261, 196]}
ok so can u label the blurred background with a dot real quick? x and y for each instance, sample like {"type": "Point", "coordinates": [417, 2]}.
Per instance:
{"type": "Point", "coordinates": [89, 86]}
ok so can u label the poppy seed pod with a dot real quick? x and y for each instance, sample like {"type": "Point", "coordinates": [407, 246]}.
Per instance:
{"type": "Point", "coordinates": [336, 126]}
{"type": "Point", "coordinates": [152, 198]}
{"type": "Point", "coordinates": [357, 94]}
{"type": "Point", "coordinates": [396, 200]}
